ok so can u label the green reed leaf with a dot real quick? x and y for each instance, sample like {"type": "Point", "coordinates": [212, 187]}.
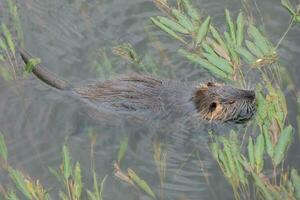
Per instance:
{"type": "Point", "coordinates": [11, 195]}
{"type": "Point", "coordinates": [296, 182]}
{"type": "Point", "coordinates": [288, 6]}
{"type": "Point", "coordinates": [183, 20]}
{"type": "Point", "coordinates": [9, 39]}
{"type": "Point", "coordinates": [282, 145]}
{"type": "Point", "coordinates": [251, 156]}
{"type": "Point", "coordinates": [172, 25]}
{"type": "Point", "coordinates": [3, 45]}
{"type": "Point", "coordinates": [245, 54]}
{"type": "Point", "coordinates": [57, 176]}
{"type": "Point", "coordinates": [240, 29]}
{"type": "Point", "coordinates": [203, 63]}
{"type": "Point", "coordinates": [191, 11]}
{"type": "Point", "coordinates": [67, 168]}
{"type": "Point", "coordinates": [31, 64]}
{"type": "Point", "coordinates": [20, 182]}
{"type": "Point", "coordinates": [203, 30]}
{"type": "Point", "coordinates": [141, 183]}
{"type": "Point", "coordinates": [259, 40]}
{"type": "Point", "coordinates": [217, 37]}
{"type": "Point", "coordinates": [225, 165]}
{"type": "Point", "coordinates": [3, 148]}
{"type": "Point", "coordinates": [77, 180]}
{"type": "Point", "coordinates": [215, 149]}
{"type": "Point", "coordinates": [269, 145]}
{"type": "Point", "coordinates": [167, 30]}
{"type": "Point", "coordinates": [123, 148]}
{"type": "Point", "coordinates": [221, 63]}
{"type": "Point", "coordinates": [208, 49]}
{"type": "Point", "coordinates": [230, 26]}
{"type": "Point", "coordinates": [254, 49]}
{"type": "Point", "coordinates": [259, 149]}
{"type": "Point", "coordinates": [262, 187]}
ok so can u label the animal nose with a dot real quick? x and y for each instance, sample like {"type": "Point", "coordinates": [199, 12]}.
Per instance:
{"type": "Point", "coordinates": [250, 94]}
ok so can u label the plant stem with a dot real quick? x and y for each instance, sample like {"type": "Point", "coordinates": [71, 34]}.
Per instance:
{"type": "Point", "coordinates": [285, 33]}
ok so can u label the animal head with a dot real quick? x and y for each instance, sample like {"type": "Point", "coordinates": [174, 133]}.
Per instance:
{"type": "Point", "coordinates": [218, 102]}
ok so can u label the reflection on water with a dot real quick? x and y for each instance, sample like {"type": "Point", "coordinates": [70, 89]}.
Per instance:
{"type": "Point", "coordinates": [67, 35]}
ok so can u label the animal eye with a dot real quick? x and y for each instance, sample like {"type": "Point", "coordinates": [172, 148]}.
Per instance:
{"type": "Point", "coordinates": [210, 84]}
{"type": "Point", "coordinates": [212, 106]}
{"type": "Point", "coordinates": [231, 102]}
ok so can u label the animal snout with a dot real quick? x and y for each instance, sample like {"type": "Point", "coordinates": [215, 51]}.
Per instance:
{"type": "Point", "coordinates": [250, 95]}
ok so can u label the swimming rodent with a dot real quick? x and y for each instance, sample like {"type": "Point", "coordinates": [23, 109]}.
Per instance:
{"type": "Point", "coordinates": [144, 96]}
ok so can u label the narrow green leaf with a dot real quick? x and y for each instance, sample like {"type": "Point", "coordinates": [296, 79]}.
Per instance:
{"type": "Point", "coordinates": [77, 180]}
{"type": "Point", "coordinates": [221, 63]}
{"type": "Point", "coordinates": [259, 40]}
{"type": "Point", "coordinates": [3, 148]}
{"type": "Point", "coordinates": [20, 182]}
{"type": "Point", "coordinates": [183, 20]}
{"type": "Point", "coordinates": [67, 168]}
{"type": "Point", "coordinates": [191, 11]}
{"type": "Point", "coordinates": [2, 44]}
{"type": "Point", "coordinates": [141, 183]}
{"type": "Point", "coordinates": [240, 29]}
{"type": "Point", "coordinates": [262, 187]}
{"type": "Point", "coordinates": [8, 38]}
{"type": "Point", "coordinates": [172, 25]}
{"type": "Point", "coordinates": [123, 148]}
{"type": "Point", "coordinates": [223, 160]}
{"type": "Point", "coordinates": [32, 63]}
{"type": "Point", "coordinates": [102, 186]}
{"type": "Point", "coordinates": [246, 55]}
{"type": "Point", "coordinates": [167, 30]}
{"type": "Point", "coordinates": [269, 145]}
{"type": "Point", "coordinates": [208, 49]}
{"type": "Point", "coordinates": [203, 63]}
{"type": "Point", "coordinates": [12, 195]}
{"type": "Point", "coordinates": [217, 37]}
{"type": "Point", "coordinates": [282, 145]}
{"type": "Point", "coordinates": [57, 176]}
{"type": "Point", "coordinates": [288, 6]}
{"type": "Point", "coordinates": [254, 49]}
{"type": "Point", "coordinates": [215, 149]}
{"type": "Point", "coordinates": [203, 30]}
{"type": "Point", "coordinates": [91, 196]}
{"type": "Point", "coordinates": [230, 26]}
{"type": "Point", "coordinates": [259, 150]}
{"type": "Point", "coordinates": [251, 153]}
{"type": "Point", "coordinates": [296, 182]}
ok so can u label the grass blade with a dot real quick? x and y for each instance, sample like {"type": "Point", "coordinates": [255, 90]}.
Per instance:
{"type": "Point", "coordinates": [3, 148]}
{"type": "Point", "coordinates": [77, 180]}
{"type": "Point", "coordinates": [183, 20]}
{"type": "Point", "coordinates": [203, 30]}
{"type": "Point", "coordinates": [230, 26]}
{"type": "Point", "coordinates": [259, 40]}
{"type": "Point", "coordinates": [167, 30]}
{"type": "Point", "coordinates": [9, 39]}
{"type": "Point", "coordinates": [20, 181]}
{"type": "Point", "coordinates": [251, 153]}
{"type": "Point", "coordinates": [123, 148]}
{"type": "Point", "coordinates": [217, 37]}
{"type": "Point", "coordinates": [296, 182]}
{"type": "Point", "coordinates": [240, 29]}
{"type": "Point", "coordinates": [67, 168]}
{"type": "Point", "coordinates": [259, 150]}
{"type": "Point", "coordinates": [203, 63]}
{"type": "Point", "coordinates": [172, 25]}
{"type": "Point", "coordinates": [254, 49]}
{"type": "Point", "coordinates": [221, 63]}
{"type": "Point", "coordinates": [282, 145]}
{"type": "Point", "coordinates": [246, 55]}
{"type": "Point", "coordinates": [141, 183]}
{"type": "Point", "coordinates": [191, 11]}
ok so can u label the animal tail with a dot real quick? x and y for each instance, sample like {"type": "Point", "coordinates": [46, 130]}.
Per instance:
{"type": "Point", "coordinates": [44, 75]}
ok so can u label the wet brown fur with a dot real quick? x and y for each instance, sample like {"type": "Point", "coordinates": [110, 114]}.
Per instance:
{"type": "Point", "coordinates": [144, 96]}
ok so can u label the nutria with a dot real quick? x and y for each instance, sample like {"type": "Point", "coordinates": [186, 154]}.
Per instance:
{"type": "Point", "coordinates": [145, 96]}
